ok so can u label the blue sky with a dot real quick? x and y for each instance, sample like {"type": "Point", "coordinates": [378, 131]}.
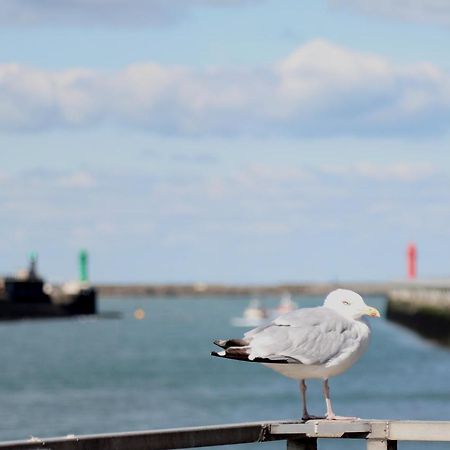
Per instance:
{"type": "Point", "coordinates": [225, 141]}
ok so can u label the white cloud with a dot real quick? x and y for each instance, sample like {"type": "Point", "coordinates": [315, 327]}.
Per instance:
{"type": "Point", "coordinates": [400, 172]}
{"type": "Point", "coordinates": [80, 179]}
{"type": "Point", "coordinates": [423, 11]}
{"type": "Point", "coordinates": [99, 12]}
{"type": "Point", "coordinates": [4, 177]}
{"type": "Point", "coordinates": [256, 175]}
{"type": "Point", "coordinates": [319, 90]}
{"type": "Point", "coordinates": [31, 98]}
{"type": "Point", "coordinates": [397, 172]}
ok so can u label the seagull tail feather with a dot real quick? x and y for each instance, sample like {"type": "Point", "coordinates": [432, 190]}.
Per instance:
{"type": "Point", "coordinates": [240, 349]}
{"type": "Point", "coordinates": [232, 353]}
{"type": "Point", "coordinates": [227, 343]}
{"type": "Point", "coordinates": [242, 354]}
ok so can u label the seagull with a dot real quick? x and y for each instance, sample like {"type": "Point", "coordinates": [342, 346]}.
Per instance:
{"type": "Point", "coordinates": [319, 342]}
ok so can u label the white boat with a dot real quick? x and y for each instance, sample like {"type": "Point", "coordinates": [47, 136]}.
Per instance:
{"type": "Point", "coordinates": [253, 316]}
{"type": "Point", "coordinates": [286, 305]}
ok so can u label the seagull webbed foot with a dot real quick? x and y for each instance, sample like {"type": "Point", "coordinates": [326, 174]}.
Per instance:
{"type": "Point", "coordinates": [334, 417]}
{"type": "Point", "coordinates": [307, 417]}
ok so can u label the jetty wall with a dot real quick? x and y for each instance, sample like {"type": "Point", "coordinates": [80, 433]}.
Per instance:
{"type": "Point", "coordinates": [424, 309]}
{"type": "Point", "coordinates": [208, 290]}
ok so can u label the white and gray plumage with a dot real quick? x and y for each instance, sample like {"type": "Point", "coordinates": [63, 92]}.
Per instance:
{"type": "Point", "coordinates": [308, 343]}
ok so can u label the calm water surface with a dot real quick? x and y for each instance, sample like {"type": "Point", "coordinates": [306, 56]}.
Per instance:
{"type": "Point", "coordinates": [93, 375]}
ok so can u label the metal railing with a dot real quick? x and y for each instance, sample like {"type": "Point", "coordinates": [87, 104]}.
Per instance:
{"type": "Point", "coordinates": [378, 434]}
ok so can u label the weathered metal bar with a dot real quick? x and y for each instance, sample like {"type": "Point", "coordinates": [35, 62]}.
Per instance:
{"type": "Point", "coordinates": [380, 435]}
{"type": "Point", "coordinates": [419, 430]}
{"type": "Point", "coordinates": [154, 440]}
{"type": "Point", "coordinates": [323, 428]}
{"type": "Point", "coordinates": [395, 430]}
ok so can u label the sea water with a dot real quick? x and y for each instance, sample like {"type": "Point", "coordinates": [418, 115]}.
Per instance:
{"type": "Point", "coordinates": [112, 374]}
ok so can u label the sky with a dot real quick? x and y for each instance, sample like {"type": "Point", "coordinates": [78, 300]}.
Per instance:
{"type": "Point", "coordinates": [225, 141]}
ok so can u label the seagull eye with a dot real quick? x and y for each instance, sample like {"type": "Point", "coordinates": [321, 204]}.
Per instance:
{"type": "Point", "coordinates": [345, 302]}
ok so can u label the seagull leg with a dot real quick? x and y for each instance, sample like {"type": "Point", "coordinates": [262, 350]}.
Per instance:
{"type": "Point", "coordinates": [306, 415]}
{"type": "Point", "coordinates": [330, 413]}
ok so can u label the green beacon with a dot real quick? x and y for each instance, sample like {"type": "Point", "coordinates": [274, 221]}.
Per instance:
{"type": "Point", "coordinates": [83, 264]}
{"type": "Point", "coordinates": [32, 258]}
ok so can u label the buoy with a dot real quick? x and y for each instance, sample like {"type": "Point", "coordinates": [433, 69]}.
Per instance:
{"type": "Point", "coordinates": [139, 314]}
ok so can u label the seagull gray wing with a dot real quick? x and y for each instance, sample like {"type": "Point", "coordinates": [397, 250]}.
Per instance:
{"type": "Point", "coordinates": [310, 336]}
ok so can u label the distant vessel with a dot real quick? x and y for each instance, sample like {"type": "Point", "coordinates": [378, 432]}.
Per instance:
{"type": "Point", "coordinates": [286, 305]}
{"type": "Point", "coordinates": [253, 316]}
{"type": "Point", "coordinates": [26, 295]}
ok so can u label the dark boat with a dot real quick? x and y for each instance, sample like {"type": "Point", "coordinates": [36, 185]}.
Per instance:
{"type": "Point", "coordinates": [27, 296]}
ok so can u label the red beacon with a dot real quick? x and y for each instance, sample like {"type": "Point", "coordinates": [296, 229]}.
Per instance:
{"type": "Point", "coordinates": [411, 261]}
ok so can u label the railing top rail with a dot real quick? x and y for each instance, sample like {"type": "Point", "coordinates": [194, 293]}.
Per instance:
{"type": "Point", "coordinates": [395, 430]}
{"type": "Point", "coordinates": [171, 438]}
{"type": "Point", "coordinates": [207, 436]}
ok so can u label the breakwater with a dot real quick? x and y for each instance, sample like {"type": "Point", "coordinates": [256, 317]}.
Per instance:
{"type": "Point", "coordinates": [208, 290]}
{"type": "Point", "coordinates": [424, 309]}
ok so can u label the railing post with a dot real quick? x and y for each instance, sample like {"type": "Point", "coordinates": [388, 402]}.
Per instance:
{"type": "Point", "coordinates": [302, 444]}
{"type": "Point", "coordinates": [378, 444]}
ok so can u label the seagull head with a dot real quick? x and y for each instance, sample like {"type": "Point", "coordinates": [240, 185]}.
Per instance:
{"type": "Point", "coordinates": [349, 304]}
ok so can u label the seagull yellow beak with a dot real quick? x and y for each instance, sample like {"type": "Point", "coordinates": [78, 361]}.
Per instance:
{"type": "Point", "coordinates": [372, 312]}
